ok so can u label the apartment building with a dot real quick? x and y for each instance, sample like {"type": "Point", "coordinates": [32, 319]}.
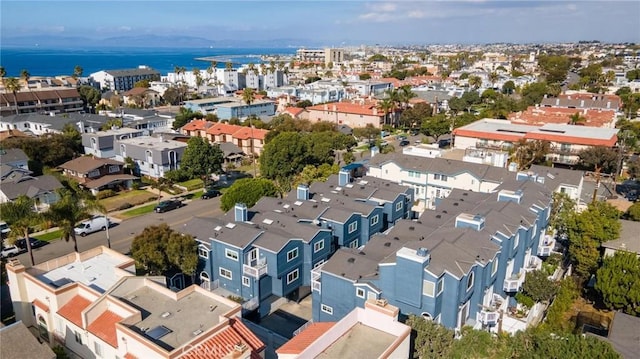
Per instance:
{"type": "Point", "coordinates": [268, 251]}
{"type": "Point", "coordinates": [101, 144]}
{"type": "Point", "coordinates": [47, 100]}
{"type": "Point", "coordinates": [372, 332]}
{"type": "Point", "coordinates": [536, 115]}
{"type": "Point", "coordinates": [154, 156]}
{"type": "Point", "coordinates": [249, 140]}
{"type": "Point", "coordinates": [93, 305]}
{"type": "Point", "coordinates": [125, 79]}
{"type": "Point", "coordinates": [581, 101]}
{"type": "Point", "coordinates": [566, 140]}
{"type": "Point", "coordinates": [36, 124]}
{"type": "Point", "coordinates": [458, 265]}
{"type": "Point", "coordinates": [352, 114]}
{"type": "Point", "coordinates": [97, 174]}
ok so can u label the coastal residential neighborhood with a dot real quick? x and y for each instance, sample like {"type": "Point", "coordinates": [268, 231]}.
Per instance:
{"type": "Point", "coordinates": [354, 201]}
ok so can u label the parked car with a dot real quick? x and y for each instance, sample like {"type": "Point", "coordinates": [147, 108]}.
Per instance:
{"type": "Point", "coordinates": [10, 251]}
{"type": "Point", "coordinates": [210, 193]}
{"type": "Point", "coordinates": [404, 143]}
{"type": "Point", "coordinates": [168, 205]}
{"type": "Point", "coordinates": [4, 229]}
{"type": "Point", "coordinates": [35, 243]}
{"type": "Point", "coordinates": [97, 223]}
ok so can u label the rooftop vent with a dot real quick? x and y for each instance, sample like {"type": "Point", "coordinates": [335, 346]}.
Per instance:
{"type": "Point", "coordinates": [197, 332]}
{"type": "Point", "coordinates": [381, 302]}
{"type": "Point", "coordinates": [362, 253]}
{"type": "Point", "coordinates": [396, 238]}
{"type": "Point", "coordinates": [456, 203]}
{"type": "Point", "coordinates": [412, 228]}
{"type": "Point", "coordinates": [166, 314]}
{"type": "Point", "coordinates": [240, 347]}
{"type": "Point", "coordinates": [387, 244]}
{"type": "Point", "coordinates": [438, 216]}
{"type": "Point", "coordinates": [351, 260]}
{"type": "Point", "coordinates": [465, 194]}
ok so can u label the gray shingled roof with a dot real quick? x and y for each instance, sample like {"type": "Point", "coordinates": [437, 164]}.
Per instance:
{"type": "Point", "coordinates": [132, 72]}
{"type": "Point", "coordinates": [13, 155]}
{"type": "Point", "coordinates": [349, 264]}
{"type": "Point", "coordinates": [87, 164]}
{"type": "Point", "coordinates": [30, 186]}
{"type": "Point", "coordinates": [629, 239]}
{"type": "Point", "coordinates": [18, 343]}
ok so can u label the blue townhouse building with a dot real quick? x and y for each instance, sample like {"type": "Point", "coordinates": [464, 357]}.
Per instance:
{"type": "Point", "coordinates": [458, 265]}
{"type": "Point", "coordinates": [269, 251]}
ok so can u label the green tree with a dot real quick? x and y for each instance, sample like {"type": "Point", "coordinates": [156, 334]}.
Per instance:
{"type": "Point", "coordinates": [436, 126]}
{"type": "Point", "coordinates": [475, 82]}
{"type": "Point", "coordinates": [284, 156]}
{"type": "Point", "coordinates": [25, 76]}
{"type": "Point", "coordinates": [304, 104]}
{"type": "Point", "coordinates": [77, 71]}
{"type": "Point", "coordinates": [604, 159]}
{"type": "Point", "coordinates": [556, 321]}
{"type": "Point", "coordinates": [618, 282]}
{"type": "Point", "coordinates": [13, 85]}
{"type": "Point", "coordinates": [247, 191]}
{"type": "Point", "coordinates": [412, 117]}
{"type": "Point", "coordinates": [527, 153]}
{"type": "Point", "coordinates": [576, 118]}
{"type": "Point", "coordinates": [20, 216]}
{"type": "Point", "coordinates": [184, 116]}
{"type": "Point", "coordinates": [149, 249]}
{"type": "Point", "coordinates": [182, 252]}
{"type": "Point", "coordinates": [73, 207]}
{"type": "Point", "coordinates": [90, 96]}
{"type": "Point", "coordinates": [112, 122]}
{"type": "Point", "coordinates": [3, 73]}
{"type": "Point", "coordinates": [432, 340]}
{"type": "Point", "coordinates": [364, 76]}
{"type": "Point", "coordinates": [633, 212]}
{"type": "Point", "coordinates": [509, 87]}
{"type": "Point", "coordinates": [312, 173]}
{"type": "Point", "coordinates": [201, 159]}
{"type": "Point", "coordinates": [368, 132]}
{"type": "Point", "coordinates": [554, 67]}
{"type": "Point", "coordinates": [562, 207]}
{"type": "Point", "coordinates": [538, 286]}
{"type": "Point", "coordinates": [142, 83]}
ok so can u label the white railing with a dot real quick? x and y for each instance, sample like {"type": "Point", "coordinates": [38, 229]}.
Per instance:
{"type": "Point", "coordinates": [514, 282]}
{"type": "Point", "coordinates": [299, 330]}
{"type": "Point", "coordinates": [546, 246]}
{"type": "Point", "coordinates": [315, 279]}
{"type": "Point", "coordinates": [534, 263]}
{"type": "Point", "coordinates": [257, 270]}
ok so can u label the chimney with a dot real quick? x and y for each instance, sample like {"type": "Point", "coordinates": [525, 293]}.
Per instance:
{"type": "Point", "coordinates": [581, 103]}
{"type": "Point", "coordinates": [326, 107]}
{"type": "Point", "coordinates": [241, 212]}
{"type": "Point", "coordinates": [344, 177]}
{"type": "Point", "coordinates": [557, 102]}
{"type": "Point", "coordinates": [303, 192]}
{"type": "Point", "coordinates": [608, 104]}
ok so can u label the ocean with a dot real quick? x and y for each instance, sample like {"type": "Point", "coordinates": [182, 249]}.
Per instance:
{"type": "Point", "coordinates": [54, 62]}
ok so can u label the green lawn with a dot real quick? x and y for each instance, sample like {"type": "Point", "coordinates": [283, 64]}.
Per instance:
{"type": "Point", "coordinates": [49, 236]}
{"type": "Point", "coordinates": [138, 211]}
{"type": "Point", "coordinates": [192, 184]}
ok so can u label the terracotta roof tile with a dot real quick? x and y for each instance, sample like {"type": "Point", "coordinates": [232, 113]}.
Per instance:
{"type": "Point", "coordinates": [561, 115]}
{"type": "Point", "coordinates": [130, 356]}
{"type": "Point", "coordinates": [222, 128]}
{"type": "Point", "coordinates": [305, 338]}
{"type": "Point", "coordinates": [104, 327]}
{"type": "Point", "coordinates": [194, 125]}
{"type": "Point", "coordinates": [222, 343]}
{"type": "Point", "coordinates": [572, 139]}
{"type": "Point", "coordinates": [245, 133]}
{"type": "Point", "coordinates": [38, 303]}
{"type": "Point", "coordinates": [73, 309]}
{"type": "Point", "coordinates": [368, 108]}
{"type": "Point", "coordinates": [293, 111]}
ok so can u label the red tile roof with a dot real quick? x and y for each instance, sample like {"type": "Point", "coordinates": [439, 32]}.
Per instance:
{"type": "Point", "coordinates": [194, 125]}
{"type": "Point", "coordinates": [104, 327]}
{"type": "Point", "coordinates": [368, 108]}
{"type": "Point", "coordinates": [137, 91]}
{"type": "Point", "coordinates": [486, 135]}
{"type": "Point", "coordinates": [222, 343]}
{"type": "Point", "coordinates": [73, 309]}
{"type": "Point", "coordinates": [293, 111]}
{"type": "Point", "coordinates": [572, 139]}
{"type": "Point", "coordinates": [561, 115]}
{"type": "Point", "coordinates": [222, 128]}
{"type": "Point", "coordinates": [305, 338]}
{"type": "Point", "coordinates": [246, 133]}
{"type": "Point", "coordinates": [130, 356]}
{"type": "Point", "coordinates": [38, 303]}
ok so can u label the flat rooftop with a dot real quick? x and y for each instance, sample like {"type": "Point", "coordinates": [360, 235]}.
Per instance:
{"type": "Point", "coordinates": [97, 272]}
{"type": "Point", "coordinates": [360, 341]}
{"type": "Point", "coordinates": [179, 320]}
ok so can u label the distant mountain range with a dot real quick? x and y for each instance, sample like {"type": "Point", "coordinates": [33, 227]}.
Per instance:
{"type": "Point", "coordinates": [149, 41]}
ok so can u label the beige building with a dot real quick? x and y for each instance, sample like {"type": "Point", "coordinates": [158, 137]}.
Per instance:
{"type": "Point", "coordinates": [352, 114]}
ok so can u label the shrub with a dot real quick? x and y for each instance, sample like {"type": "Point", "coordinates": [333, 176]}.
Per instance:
{"type": "Point", "coordinates": [236, 298]}
{"type": "Point", "coordinates": [124, 206]}
{"type": "Point", "coordinates": [524, 299]}
{"type": "Point", "coordinates": [105, 194]}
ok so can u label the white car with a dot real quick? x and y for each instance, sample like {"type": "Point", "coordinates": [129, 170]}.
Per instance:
{"type": "Point", "coordinates": [10, 251]}
{"type": "Point", "coordinates": [4, 229]}
{"type": "Point", "coordinates": [97, 223]}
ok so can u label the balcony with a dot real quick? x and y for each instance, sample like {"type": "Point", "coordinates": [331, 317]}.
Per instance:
{"type": "Point", "coordinates": [315, 279]}
{"type": "Point", "coordinates": [256, 270]}
{"type": "Point", "coordinates": [563, 159]}
{"type": "Point", "coordinates": [514, 282]}
{"type": "Point", "coordinates": [534, 263]}
{"type": "Point", "coordinates": [564, 150]}
{"type": "Point", "coordinates": [546, 246]}
{"type": "Point", "coordinates": [494, 146]}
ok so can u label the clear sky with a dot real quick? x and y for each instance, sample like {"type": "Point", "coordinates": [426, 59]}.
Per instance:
{"type": "Point", "coordinates": [332, 22]}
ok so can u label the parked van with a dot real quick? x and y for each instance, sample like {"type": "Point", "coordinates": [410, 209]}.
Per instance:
{"type": "Point", "coordinates": [98, 223]}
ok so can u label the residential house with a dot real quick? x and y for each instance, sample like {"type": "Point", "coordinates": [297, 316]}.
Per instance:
{"type": "Point", "coordinates": [123, 80]}
{"type": "Point", "coordinates": [101, 144]}
{"type": "Point", "coordinates": [207, 105]}
{"type": "Point", "coordinates": [372, 332]}
{"type": "Point", "coordinates": [142, 119]}
{"type": "Point", "coordinates": [46, 100]}
{"type": "Point", "coordinates": [622, 335]}
{"type": "Point", "coordinates": [35, 124]}
{"type": "Point", "coordinates": [566, 140]}
{"type": "Point", "coordinates": [97, 174]}
{"type": "Point", "coordinates": [353, 114]}
{"type": "Point", "coordinates": [233, 155]}
{"type": "Point", "coordinates": [458, 265]}
{"type": "Point", "coordinates": [239, 109]}
{"type": "Point", "coordinates": [629, 240]}
{"type": "Point", "coordinates": [248, 139]}
{"type": "Point", "coordinates": [319, 92]}
{"type": "Point", "coordinates": [536, 115]}
{"type": "Point", "coordinates": [93, 305]}
{"type": "Point", "coordinates": [42, 189]}
{"type": "Point", "coordinates": [154, 156]}
{"type": "Point", "coordinates": [580, 101]}
{"type": "Point", "coordinates": [14, 157]}
{"type": "Point", "coordinates": [18, 343]}
{"type": "Point", "coordinates": [142, 97]}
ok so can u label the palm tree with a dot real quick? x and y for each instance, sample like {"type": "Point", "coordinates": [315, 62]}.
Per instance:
{"type": "Point", "coordinates": [3, 73]}
{"type": "Point", "coordinates": [161, 184]}
{"type": "Point", "coordinates": [25, 75]}
{"type": "Point", "coordinates": [177, 70]}
{"type": "Point", "coordinates": [475, 82]}
{"type": "Point", "coordinates": [576, 118]}
{"type": "Point", "coordinates": [20, 215]}
{"type": "Point", "coordinates": [406, 95]}
{"type": "Point", "coordinates": [198, 75]}
{"type": "Point", "coordinates": [396, 98]}
{"type": "Point", "coordinates": [493, 77]}
{"type": "Point", "coordinates": [386, 105]}
{"type": "Point", "coordinates": [13, 84]}
{"type": "Point", "coordinates": [228, 65]}
{"type": "Point", "coordinates": [77, 71]}
{"type": "Point", "coordinates": [248, 96]}
{"type": "Point", "coordinates": [73, 207]}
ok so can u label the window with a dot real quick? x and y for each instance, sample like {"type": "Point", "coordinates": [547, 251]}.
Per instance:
{"type": "Point", "coordinates": [353, 226]}
{"type": "Point", "coordinates": [428, 288]}
{"type": "Point", "coordinates": [494, 266]}
{"type": "Point", "coordinates": [78, 337]}
{"type": "Point", "coordinates": [439, 286]}
{"type": "Point", "coordinates": [360, 292]}
{"type": "Point", "coordinates": [293, 275]}
{"type": "Point", "coordinates": [470, 281]}
{"type": "Point", "coordinates": [353, 244]}
{"type": "Point", "coordinates": [203, 252]}
{"type": "Point", "coordinates": [97, 348]}
{"type": "Point", "coordinates": [414, 174]}
{"type": "Point", "coordinates": [245, 281]}
{"type": "Point", "coordinates": [374, 220]}
{"type": "Point", "coordinates": [399, 206]}
{"type": "Point", "coordinates": [233, 255]}
{"type": "Point", "coordinates": [225, 273]}
{"type": "Point", "coordinates": [114, 169]}
{"type": "Point", "coordinates": [438, 194]}
{"type": "Point", "coordinates": [327, 309]}
{"type": "Point", "coordinates": [439, 177]}
{"type": "Point", "coordinates": [318, 246]}
{"type": "Point", "coordinates": [516, 241]}
{"type": "Point", "coordinates": [292, 254]}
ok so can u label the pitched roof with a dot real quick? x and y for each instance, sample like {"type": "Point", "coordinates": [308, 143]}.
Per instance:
{"type": "Point", "coordinates": [104, 327]}
{"type": "Point", "coordinates": [72, 311]}
{"type": "Point", "coordinates": [138, 91]}
{"type": "Point", "coordinates": [246, 133]}
{"type": "Point", "coordinates": [221, 344]}
{"type": "Point", "coordinates": [194, 125]}
{"type": "Point", "coordinates": [367, 108]}
{"type": "Point", "coordinates": [18, 343]}
{"type": "Point", "coordinates": [86, 164]}
{"type": "Point", "coordinates": [293, 111]}
{"type": "Point", "coordinates": [30, 186]}
{"type": "Point", "coordinates": [305, 338]}
{"type": "Point", "coordinates": [542, 115]}
{"type": "Point", "coordinates": [105, 180]}
{"type": "Point", "coordinates": [36, 96]}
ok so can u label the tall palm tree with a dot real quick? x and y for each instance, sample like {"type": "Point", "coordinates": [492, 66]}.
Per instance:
{"type": "Point", "coordinates": [25, 75]}
{"type": "Point", "coordinates": [387, 106]}
{"type": "Point", "coordinates": [576, 118]}
{"type": "Point", "coordinates": [493, 77]}
{"type": "Point", "coordinates": [73, 207]}
{"type": "Point", "coordinates": [228, 65]}
{"type": "Point", "coordinates": [406, 95]}
{"type": "Point", "coordinates": [20, 215]}
{"type": "Point", "coordinates": [475, 82]}
{"type": "Point", "coordinates": [13, 85]}
{"type": "Point", "coordinates": [77, 71]}
{"type": "Point", "coordinates": [396, 99]}
{"type": "Point", "coordinates": [3, 73]}
{"type": "Point", "coordinates": [176, 70]}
